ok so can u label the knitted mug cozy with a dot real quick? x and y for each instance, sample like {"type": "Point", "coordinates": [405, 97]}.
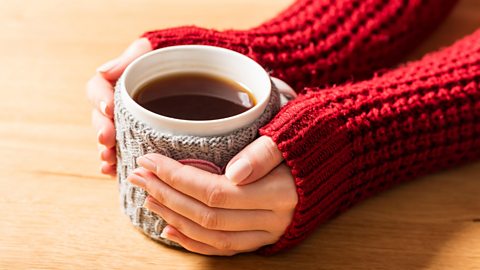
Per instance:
{"type": "Point", "coordinates": [135, 139]}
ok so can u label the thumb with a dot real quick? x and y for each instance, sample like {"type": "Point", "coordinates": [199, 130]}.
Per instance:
{"type": "Point", "coordinates": [112, 69]}
{"type": "Point", "coordinates": [254, 161]}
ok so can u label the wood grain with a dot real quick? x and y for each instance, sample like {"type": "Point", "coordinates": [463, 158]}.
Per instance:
{"type": "Point", "coordinates": [57, 211]}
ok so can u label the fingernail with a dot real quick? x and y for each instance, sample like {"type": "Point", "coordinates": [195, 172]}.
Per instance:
{"type": "Point", "coordinates": [102, 168]}
{"type": "Point", "coordinates": [103, 107]}
{"type": "Point", "coordinates": [106, 168]}
{"type": "Point", "coordinates": [102, 153]}
{"type": "Point", "coordinates": [100, 136]}
{"type": "Point", "coordinates": [239, 170]}
{"type": "Point", "coordinates": [137, 180]}
{"type": "Point", "coordinates": [147, 164]}
{"type": "Point", "coordinates": [166, 232]}
{"type": "Point", "coordinates": [108, 65]}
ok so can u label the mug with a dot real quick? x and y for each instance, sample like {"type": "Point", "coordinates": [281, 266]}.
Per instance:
{"type": "Point", "coordinates": [208, 144]}
{"type": "Point", "coordinates": [205, 59]}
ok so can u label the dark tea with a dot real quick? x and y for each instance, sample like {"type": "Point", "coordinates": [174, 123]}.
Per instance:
{"type": "Point", "coordinates": [194, 96]}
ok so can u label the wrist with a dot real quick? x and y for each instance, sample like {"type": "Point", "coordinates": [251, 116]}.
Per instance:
{"type": "Point", "coordinates": [193, 35]}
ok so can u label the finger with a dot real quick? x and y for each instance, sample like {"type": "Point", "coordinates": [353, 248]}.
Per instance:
{"type": "Point", "coordinates": [114, 68]}
{"type": "Point", "coordinates": [222, 240]}
{"type": "Point", "coordinates": [105, 129]}
{"type": "Point", "coordinates": [109, 156]}
{"type": "Point", "coordinates": [254, 161]}
{"type": "Point", "coordinates": [207, 217]}
{"type": "Point", "coordinates": [211, 189]}
{"type": "Point", "coordinates": [215, 191]}
{"type": "Point", "coordinates": [174, 235]}
{"type": "Point", "coordinates": [108, 169]}
{"type": "Point", "coordinates": [100, 94]}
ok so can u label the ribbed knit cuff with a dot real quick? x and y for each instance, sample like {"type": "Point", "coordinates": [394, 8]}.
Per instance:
{"type": "Point", "coordinates": [321, 151]}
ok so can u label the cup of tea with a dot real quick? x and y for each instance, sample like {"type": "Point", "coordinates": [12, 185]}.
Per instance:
{"type": "Point", "coordinates": [197, 104]}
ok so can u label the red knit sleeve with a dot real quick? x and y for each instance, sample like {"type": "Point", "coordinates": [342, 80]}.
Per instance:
{"type": "Point", "coordinates": [347, 143]}
{"type": "Point", "coordinates": [324, 42]}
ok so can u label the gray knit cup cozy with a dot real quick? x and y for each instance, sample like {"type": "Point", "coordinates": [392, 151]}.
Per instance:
{"type": "Point", "coordinates": [135, 139]}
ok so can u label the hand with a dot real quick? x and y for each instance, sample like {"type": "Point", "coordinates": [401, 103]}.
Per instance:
{"type": "Point", "coordinates": [100, 94]}
{"type": "Point", "coordinates": [208, 213]}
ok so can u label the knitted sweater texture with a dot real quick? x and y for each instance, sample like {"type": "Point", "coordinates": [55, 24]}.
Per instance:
{"type": "Point", "coordinates": [346, 143]}
{"type": "Point", "coordinates": [326, 42]}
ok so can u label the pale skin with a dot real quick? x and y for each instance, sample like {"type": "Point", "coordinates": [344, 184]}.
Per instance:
{"type": "Point", "coordinates": [250, 206]}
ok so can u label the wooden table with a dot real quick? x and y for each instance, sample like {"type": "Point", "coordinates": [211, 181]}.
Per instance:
{"type": "Point", "coordinates": [58, 211]}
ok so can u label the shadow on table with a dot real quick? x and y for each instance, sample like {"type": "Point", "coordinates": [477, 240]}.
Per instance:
{"type": "Point", "coordinates": [404, 228]}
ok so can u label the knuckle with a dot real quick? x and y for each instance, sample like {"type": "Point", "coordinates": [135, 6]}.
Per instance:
{"type": "Point", "coordinates": [216, 195]}
{"type": "Point", "coordinates": [175, 176]}
{"type": "Point", "coordinates": [224, 242]}
{"type": "Point", "coordinates": [210, 220]}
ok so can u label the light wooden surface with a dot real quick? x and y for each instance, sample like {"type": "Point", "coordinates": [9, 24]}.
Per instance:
{"type": "Point", "coordinates": [57, 211]}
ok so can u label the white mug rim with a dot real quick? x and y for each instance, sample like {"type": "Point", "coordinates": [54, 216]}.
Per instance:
{"type": "Point", "coordinates": [196, 124]}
